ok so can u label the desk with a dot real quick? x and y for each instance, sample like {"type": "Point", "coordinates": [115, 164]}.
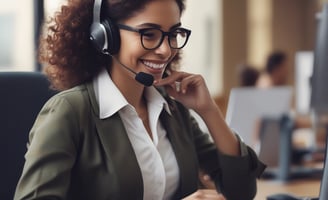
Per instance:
{"type": "Point", "coordinates": [310, 188]}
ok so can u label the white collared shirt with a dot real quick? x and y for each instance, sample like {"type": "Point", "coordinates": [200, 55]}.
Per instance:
{"type": "Point", "coordinates": [157, 161]}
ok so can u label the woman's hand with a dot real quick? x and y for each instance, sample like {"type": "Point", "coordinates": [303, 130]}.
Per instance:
{"type": "Point", "coordinates": [205, 194]}
{"type": "Point", "coordinates": [189, 89]}
{"type": "Point", "coordinates": [194, 94]}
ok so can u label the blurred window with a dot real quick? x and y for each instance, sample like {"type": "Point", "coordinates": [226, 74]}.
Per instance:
{"type": "Point", "coordinates": [16, 36]}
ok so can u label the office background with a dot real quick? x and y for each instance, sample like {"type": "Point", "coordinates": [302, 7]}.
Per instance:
{"type": "Point", "coordinates": [226, 33]}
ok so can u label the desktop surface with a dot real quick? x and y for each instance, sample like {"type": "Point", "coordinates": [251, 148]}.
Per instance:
{"type": "Point", "coordinates": [299, 188]}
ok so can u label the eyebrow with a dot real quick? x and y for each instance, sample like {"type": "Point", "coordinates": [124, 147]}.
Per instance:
{"type": "Point", "coordinates": [158, 26]}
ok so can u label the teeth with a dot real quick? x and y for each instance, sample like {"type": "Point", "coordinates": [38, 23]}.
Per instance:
{"type": "Point", "coordinates": [154, 65]}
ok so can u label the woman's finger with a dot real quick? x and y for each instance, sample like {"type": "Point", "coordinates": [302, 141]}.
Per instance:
{"type": "Point", "coordinates": [205, 194]}
{"type": "Point", "coordinates": [173, 77]}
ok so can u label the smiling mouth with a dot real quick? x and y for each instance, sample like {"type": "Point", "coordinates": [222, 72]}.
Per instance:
{"type": "Point", "coordinates": [154, 65]}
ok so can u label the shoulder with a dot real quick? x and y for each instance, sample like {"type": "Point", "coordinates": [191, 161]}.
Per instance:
{"type": "Point", "coordinates": [74, 94]}
{"type": "Point", "coordinates": [76, 99]}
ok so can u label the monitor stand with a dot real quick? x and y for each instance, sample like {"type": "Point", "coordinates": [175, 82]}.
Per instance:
{"type": "Point", "coordinates": [285, 170]}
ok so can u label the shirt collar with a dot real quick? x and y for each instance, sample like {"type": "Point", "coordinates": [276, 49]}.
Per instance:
{"type": "Point", "coordinates": [153, 97]}
{"type": "Point", "coordinates": [111, 100]}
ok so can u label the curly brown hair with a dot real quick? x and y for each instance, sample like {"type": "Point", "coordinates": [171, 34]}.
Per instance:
{"type": "Point", "coordinates": [66, 50]}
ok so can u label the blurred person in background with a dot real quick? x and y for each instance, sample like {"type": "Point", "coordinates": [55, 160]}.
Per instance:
{"type": "Point", "coordinates": [247, 75]}
{"type": "Point", "coordinates": [275, 72]}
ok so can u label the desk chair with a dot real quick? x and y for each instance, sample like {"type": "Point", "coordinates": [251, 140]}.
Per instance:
{"type": "Point", "coordinates": [278, 152]}
{"type": "Point", "coordinates": [22, 96]}
{"type": "Point", "coordinates": [276, 145]}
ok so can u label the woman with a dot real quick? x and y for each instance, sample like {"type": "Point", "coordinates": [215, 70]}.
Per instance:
{"type": "Point", "coordinates": [110, 136]}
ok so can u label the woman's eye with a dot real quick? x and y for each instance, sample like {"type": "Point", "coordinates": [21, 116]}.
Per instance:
{"type": "Point", "coordinates": [150, 34]}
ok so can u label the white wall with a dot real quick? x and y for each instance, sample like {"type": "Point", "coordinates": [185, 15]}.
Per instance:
{"type": "Point", "coordinates": [51, 6]}
{"type": "Point", "coordinates": [203, 53]}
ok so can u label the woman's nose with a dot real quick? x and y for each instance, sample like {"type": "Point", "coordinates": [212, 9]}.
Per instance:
{"type": "Point", "coordinates": [165, 48]}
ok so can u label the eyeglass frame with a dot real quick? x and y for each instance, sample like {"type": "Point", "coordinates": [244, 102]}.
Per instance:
{"type": "Point", "coordinates": [164, 33]}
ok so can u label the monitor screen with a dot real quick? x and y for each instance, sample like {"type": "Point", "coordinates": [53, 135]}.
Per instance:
{"type": "Point", "coordinates": [303, 74]}
{"type": "Point", "coordinates": [248, 105]}
{"type": "Point", "coordinates": [319, 95]}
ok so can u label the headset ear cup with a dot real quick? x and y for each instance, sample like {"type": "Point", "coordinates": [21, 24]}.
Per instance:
{"type": "Point", "coordinates": [113, 36]}
{"type": "Point", "coordinates": [98, 37]}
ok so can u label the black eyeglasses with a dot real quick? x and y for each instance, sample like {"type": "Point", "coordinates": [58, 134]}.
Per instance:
{"type": "Point", "coordinates": [152, 38]}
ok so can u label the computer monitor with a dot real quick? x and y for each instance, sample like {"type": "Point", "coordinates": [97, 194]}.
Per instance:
{"type": "Point", "coordinates": [319, 82]}
{"type": "Point", "coordinates": [319, 95]}
{"type": "Point", "coordinates": [248, 105]}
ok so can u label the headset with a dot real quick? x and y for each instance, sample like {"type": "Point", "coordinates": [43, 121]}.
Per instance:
{"type": "Point", "coordinates": [104, 33]}
{"type": "Point", "coordinates": [105, 37]}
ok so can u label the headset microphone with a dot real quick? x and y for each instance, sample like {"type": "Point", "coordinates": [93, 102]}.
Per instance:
{"type": "Point", "coordinates": [144, 78]}
{"type": "Point", "coordinates": [141, 77]}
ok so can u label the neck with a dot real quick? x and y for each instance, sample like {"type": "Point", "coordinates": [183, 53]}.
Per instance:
{"type": "Point", "coordinates": [131, 90]}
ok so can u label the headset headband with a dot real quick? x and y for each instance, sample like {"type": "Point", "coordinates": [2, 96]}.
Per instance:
{"type": "Point", "coordinates": [96, 11]}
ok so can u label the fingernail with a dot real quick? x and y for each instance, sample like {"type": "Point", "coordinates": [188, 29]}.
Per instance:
{"type": "Point", "coordinates": [177, 86]}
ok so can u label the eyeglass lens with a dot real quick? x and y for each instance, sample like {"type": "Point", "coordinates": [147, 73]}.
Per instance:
{"type": "Point", "coordinates": [153, 38]}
